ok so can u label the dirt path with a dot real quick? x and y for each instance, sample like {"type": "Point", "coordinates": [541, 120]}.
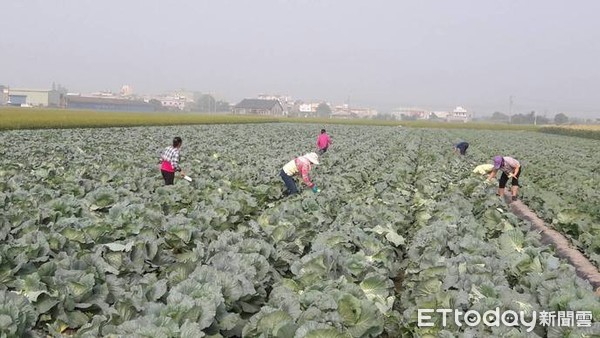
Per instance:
{"type": "Point", "coordinates": [584, 268]}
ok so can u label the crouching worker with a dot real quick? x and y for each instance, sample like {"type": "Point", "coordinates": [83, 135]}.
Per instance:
{"type": "Point", "coordinates": [483, 169]}
{"type": "Point", "coordinates": [300, 165]}
{"type": "Point", "coordinates": [169, 161]}
{"type": "Point", "coordinates": [510, 168]}
{"type": "Point", "coordinates": [462, 147]}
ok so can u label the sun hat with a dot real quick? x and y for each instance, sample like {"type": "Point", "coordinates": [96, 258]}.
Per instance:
{"type": "Point", "coordinates": [312, 157]}
{"type": "Point", "coordinates": [497, 162]}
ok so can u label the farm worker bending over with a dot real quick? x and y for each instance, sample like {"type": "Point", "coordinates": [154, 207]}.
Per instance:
{"type": "Point", "coordinates": [170, 161]}
{"type": "Point", "coordinates": [323, 142]}
{"type": "Point", "coordinates": [483, 169]}
{"type": "Point", "coordinates": [300, 165]}
{"type": "Point", "coordinates": [510, 168]}
{"type": "Point", "coordinates": [462, 147]}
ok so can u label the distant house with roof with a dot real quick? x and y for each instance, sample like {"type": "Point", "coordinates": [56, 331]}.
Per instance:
{"type": "Point", "coordinates": [259, 107]}
{"type": "Point", "coordinates": [35, 97]}
{"type": "Point", "coordinates": [345, 111]}
{"type": "Point", "coordinates": [286, 101]}
{"type": "Point", "coordinates": [407, 113]}
{"type": "Point", "coordinates": [459, 114]}
{"type": "Point", "coordinates": [108, 103]}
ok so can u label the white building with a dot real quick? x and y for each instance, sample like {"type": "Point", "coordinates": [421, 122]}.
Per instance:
{"type": "Point", "coordinates": [308, 108]}
{"type": "Point", "coordinates": [126, 90]}
{"type": "Point", "coordinates": [281, 98]}
{"type": "Point", "coordinates": [416, 113]}
{"type": "Point", "coordinates": [174, 102]}
{"type": "Point", "coordinates": [459, 114]}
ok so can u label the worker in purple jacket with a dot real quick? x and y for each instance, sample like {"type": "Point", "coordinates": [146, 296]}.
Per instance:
{"type": "Point", "coordinates": [510, 168]}
{"type": "Point", "coordinates": [462, 147]}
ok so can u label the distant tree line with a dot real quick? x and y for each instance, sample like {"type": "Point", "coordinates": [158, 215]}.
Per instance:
{"type": "Point", "coordinates": [203, 103]}
{"type": "Point", "coordinates": [206, 103]}
{"type": "Point", "coordinates": [385, 117]}
{"type": "Point", "coordinates": [531, 118]}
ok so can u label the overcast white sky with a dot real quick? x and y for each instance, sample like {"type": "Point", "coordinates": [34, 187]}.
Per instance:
{"type": "Point", "coordinates": [380, 53]}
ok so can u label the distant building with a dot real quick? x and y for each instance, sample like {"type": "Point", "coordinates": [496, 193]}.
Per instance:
{"type": "Point", "coordinates": [286, 101]}
{"type": "Point", "coordinates": [35, 97]}
{"type": "Point", "coordinates": [174, 102]}
{"type": "Point", "coordinates": [103, 93]}
{"type": "Point", "coordinates": [259, 107]}
{"type": "Point", "coordinates": [186, 94]}
{"type": "Point", "coordinates": [126, 90]}
{"type": "Point", "coordinates": [109, 104]}
{"type": "Point", "coordinates": [345, 111]}
{"type": "Point", "coordinates": [342, 114]}
{"type": "Point", "coordinates": [17, 100]}
{"type": "Point", "coordinates": [364, 113]}
{"type": "Point", "coordinates": [459, 114]}
{"type": "Point", "coordinates": [308, 108]}
{"type": "Point", "coordinates": [442, 115]}
{"type": "Point", "coordinates": [411, 113]}
{"type": "Point", "coordinates": [3, 95]}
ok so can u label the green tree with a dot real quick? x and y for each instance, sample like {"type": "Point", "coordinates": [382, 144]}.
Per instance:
{"type": "Point", "coordinates": [523, 118]}
{"type": "Point", "coordinates": [323, 110]}
{"type": "Point", "coordinates": [542, 120]}
{"type": "Point", "coordinates": [561, 118]}
{"type": "Point", "coordinates": [498, 116]}
{"type": "Point", "coordinates": [223, 106]}
{"type": "Point", "coordinates": [206, 103]}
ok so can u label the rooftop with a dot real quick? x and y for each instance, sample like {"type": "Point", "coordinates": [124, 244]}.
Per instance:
{"type": "Point", "coordinates": [256, 104]}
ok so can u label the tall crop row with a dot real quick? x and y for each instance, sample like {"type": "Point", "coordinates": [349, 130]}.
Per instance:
{"type": "Point", "coordinates": [591, 132]}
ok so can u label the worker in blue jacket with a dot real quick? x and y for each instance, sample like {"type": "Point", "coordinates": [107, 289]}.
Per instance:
{"type": "Point", "coordinates": [462, 147]}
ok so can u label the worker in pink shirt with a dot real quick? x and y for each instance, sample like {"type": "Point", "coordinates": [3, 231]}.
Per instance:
{"type": "Point", "coordinates": [323, 142]}
{"type": "Point", "coordinates": [301, 165]}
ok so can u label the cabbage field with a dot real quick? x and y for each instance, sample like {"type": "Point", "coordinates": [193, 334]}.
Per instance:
{"type": "Point", "coordinates": [92, 244]}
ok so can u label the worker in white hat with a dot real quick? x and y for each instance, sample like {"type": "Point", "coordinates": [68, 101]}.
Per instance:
{"type": "Point", "coordinates": [300, 165]}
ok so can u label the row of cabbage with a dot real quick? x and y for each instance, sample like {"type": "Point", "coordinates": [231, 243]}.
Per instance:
{"type": "Point", "coordinates": [560, 179]}
{"type": "Point", "coordinates": [474, 255]}
{"type": "Point", "coordinates": [92, 244]}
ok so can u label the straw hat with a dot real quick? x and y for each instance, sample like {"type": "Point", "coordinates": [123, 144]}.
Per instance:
{"type": "Point", "coordinates": [312, 157]}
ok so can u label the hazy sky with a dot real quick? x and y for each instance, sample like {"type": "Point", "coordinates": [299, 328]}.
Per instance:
{"type": "Point", "coordinates": [385, 54]}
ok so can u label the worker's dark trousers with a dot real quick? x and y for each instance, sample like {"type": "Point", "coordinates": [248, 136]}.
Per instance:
{"type": "Point", "coordinates": [168, 176]}
{"type": "Point", "coordinates": [322, 151]}
{"type": "Point", "coordinates": [289, 183]}
{"type": "Point", "coordinates": [504, 179]}
{"type": "Point", "coordinates": [463, 150]}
